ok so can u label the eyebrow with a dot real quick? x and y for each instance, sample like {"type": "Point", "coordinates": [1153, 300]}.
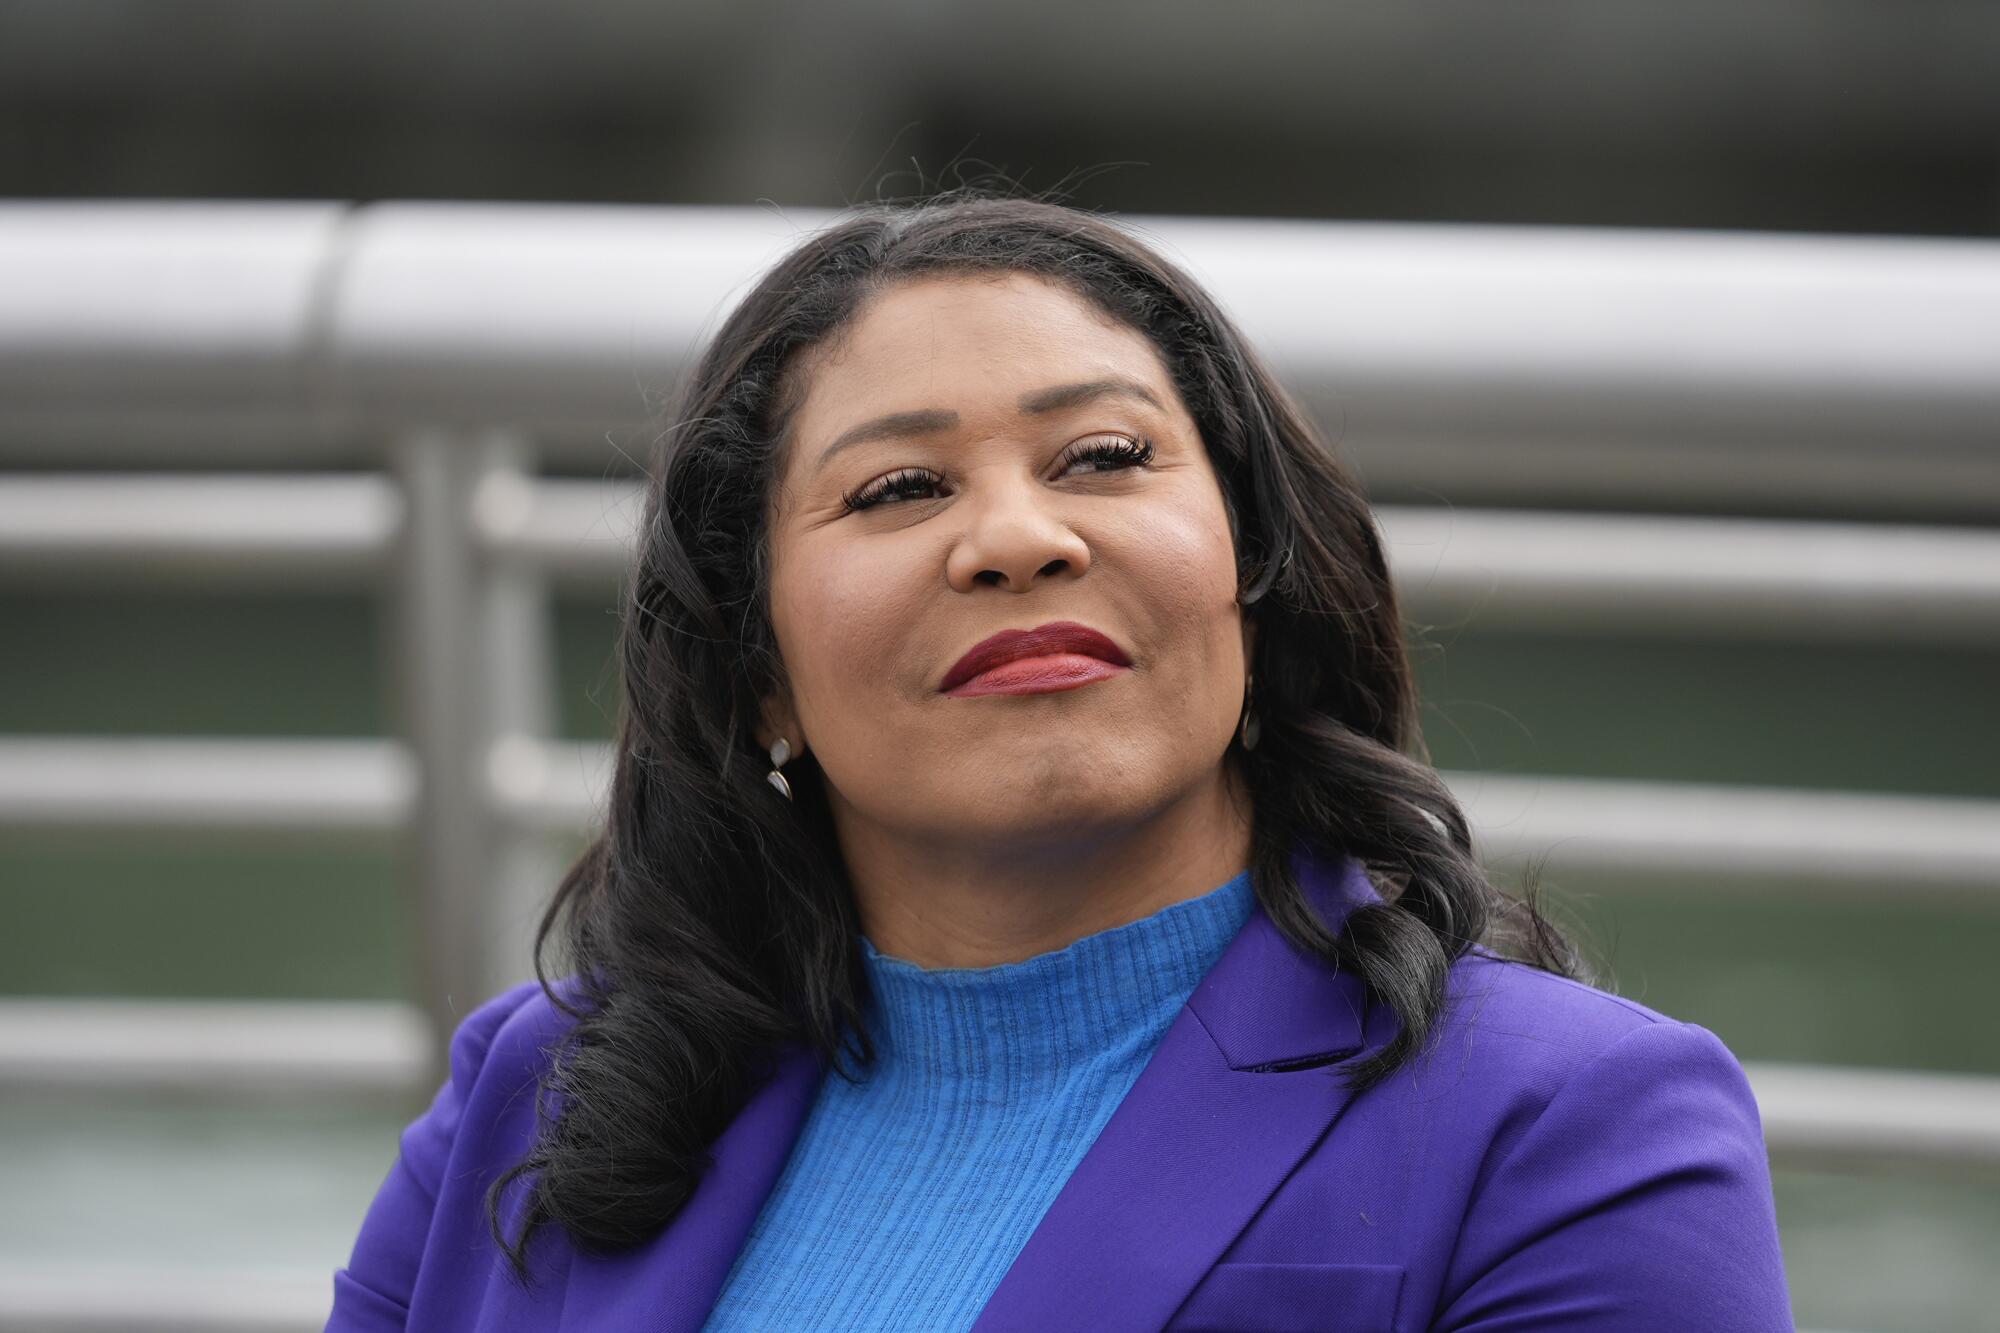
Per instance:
{"type": "Point", "coordinates": [930, 420]}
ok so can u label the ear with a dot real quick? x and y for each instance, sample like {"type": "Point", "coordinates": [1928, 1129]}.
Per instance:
{"type": "Point", "coordinates": [777, 717]}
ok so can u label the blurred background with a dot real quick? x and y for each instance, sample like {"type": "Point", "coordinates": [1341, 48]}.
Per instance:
{"type": "Point", "coordinates": [1664, 336]}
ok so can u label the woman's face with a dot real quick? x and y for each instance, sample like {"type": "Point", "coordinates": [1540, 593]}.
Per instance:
{"type": "Point", "coordinates": [1007, 412]}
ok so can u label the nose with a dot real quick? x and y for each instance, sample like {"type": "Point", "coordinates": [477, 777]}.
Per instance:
{"type": "Point", "coordinates": [1013, 536]}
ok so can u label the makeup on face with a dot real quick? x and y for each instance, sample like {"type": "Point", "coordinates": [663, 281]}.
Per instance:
{"type": "Point", "coordinates": [1060, 655]}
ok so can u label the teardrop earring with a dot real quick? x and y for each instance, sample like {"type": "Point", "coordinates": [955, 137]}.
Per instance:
{"type": "Point", "coordinates": [1247, 729]}
{"type": "Point", "coordinates": [780, 752]}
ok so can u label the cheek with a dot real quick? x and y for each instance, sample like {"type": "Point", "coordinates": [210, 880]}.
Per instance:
{"type": "Point", "coordinates": [1187, 558]}
{"type": "Point", "coordinates": [1212, 585]}
{"type": "Point", "coordinates": [843, 623]}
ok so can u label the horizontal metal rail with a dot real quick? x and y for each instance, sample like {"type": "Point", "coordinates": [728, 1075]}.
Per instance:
{"type": "Point", "coordinates": [1747, 578]}
{"type": "Point", "coordinates": [1850, 844]}
{"type": "Point", "coordinates": [1751, 578]}
{"type": "Point", "coordinates": [270, 1050]}
{"type": "Point", "coordinates": [243, 528]}
{"type": "Point", "coordinates": [1495, 363]}
{"type": "Point", "coordinates": [103, 1298]}
{"type": "Point", "coordinates": [1904, 1121]}
{"type": "Point", "coordinates": [206, 785]}
{"type": "Point", "coordinates": [1870, 846]}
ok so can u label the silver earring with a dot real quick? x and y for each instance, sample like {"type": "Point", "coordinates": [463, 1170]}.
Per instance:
{"type": "Point", "coordinates": [780, 752]}
{"type": "Point", "coordinates": [1247, 729]}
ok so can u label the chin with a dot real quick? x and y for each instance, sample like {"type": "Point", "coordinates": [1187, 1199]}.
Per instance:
{"type": "Point", "coordinates": [1016, 832]}
{"type": "Point", "coordinates": [1056, 791]}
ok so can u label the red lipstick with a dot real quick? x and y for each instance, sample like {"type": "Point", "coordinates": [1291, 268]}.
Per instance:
{"type": "Point", "coordinates": [1060, 655]}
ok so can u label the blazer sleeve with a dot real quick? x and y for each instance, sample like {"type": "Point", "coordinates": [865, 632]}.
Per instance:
{"type": "Point", "coordinates": [1639, 1200]}
{"type": "Point", "coordinates": [372, 1293]}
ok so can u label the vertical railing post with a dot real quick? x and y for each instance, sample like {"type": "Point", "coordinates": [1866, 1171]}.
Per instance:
{"type": "Point", "coordinates": [440, 703]}
{"type": "Point", "coordinates": [519, 670]}
{"type": "Point", "coordinates": [476, 664]}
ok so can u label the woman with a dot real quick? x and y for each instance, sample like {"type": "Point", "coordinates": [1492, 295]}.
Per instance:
{"type": "Point", "coordinates": [986, 929]}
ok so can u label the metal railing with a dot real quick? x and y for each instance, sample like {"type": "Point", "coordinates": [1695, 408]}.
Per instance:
{"type": "Point", "coordinates": [425, 361]}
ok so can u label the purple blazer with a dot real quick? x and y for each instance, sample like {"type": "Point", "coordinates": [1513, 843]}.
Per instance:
{"type": "Point", "coordinates": [1562, 1159]}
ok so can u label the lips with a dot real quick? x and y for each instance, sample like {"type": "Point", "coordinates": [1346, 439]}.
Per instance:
{"type": "Point", "coordinates": [1010, 645]}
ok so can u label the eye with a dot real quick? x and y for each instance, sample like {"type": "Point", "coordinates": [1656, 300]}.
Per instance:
{"type": "Point", "coordinates": [1104, 452]}
{"type": "Point", "coordinates": [910, 481]}
{"type": "Point", "coordinates": [1115, 451]}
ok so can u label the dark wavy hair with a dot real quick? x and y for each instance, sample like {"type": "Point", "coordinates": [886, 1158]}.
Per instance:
{"type": "Point", "coordinates": [710, 922]}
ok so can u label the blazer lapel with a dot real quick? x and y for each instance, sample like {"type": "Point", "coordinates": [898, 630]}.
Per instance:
{"type": "Point", "coordinates": [670, 1284]}
{"type": "Point", "coordinates": [1211, 1128]}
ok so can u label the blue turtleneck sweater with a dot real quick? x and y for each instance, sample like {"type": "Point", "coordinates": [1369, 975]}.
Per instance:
{"type": "Point", "coordinates": [908, 1195]}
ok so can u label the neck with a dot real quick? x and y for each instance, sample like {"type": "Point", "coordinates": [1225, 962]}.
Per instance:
{"type": "Point", "coordinates": [1018, 893]}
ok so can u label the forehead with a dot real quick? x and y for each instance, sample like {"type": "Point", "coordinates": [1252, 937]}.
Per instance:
{"type": "Point", "coordinates": [966, 342]}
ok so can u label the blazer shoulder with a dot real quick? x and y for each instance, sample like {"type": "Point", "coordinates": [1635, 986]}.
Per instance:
{"type": "Point", "coordinates": [1511, 1017]}
{"type": "Point", "coordinates": [498, 1057]}
{"type": "Point", "coordinates": [512, 1035]}
{"type": "Point", "coordinates": [1579, 1137]}
{"type": "Point", "coordinates": [497, 1053]}
{"type": "Point", "coordinates": [479, 1121]}
{"type": "Point", "coordinates": [1517, 1047]}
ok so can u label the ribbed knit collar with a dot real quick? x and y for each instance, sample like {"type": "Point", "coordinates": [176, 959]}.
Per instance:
{"type": "Point", "coordinates": [1043, 1015]}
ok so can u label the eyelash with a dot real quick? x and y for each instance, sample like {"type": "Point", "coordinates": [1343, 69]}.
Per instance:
{"type": "Point", "coordinates": [1136, 453]}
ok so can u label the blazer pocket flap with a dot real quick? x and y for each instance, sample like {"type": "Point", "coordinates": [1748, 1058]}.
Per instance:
{"type": "Point", "coordinates": [1293, 1298]}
